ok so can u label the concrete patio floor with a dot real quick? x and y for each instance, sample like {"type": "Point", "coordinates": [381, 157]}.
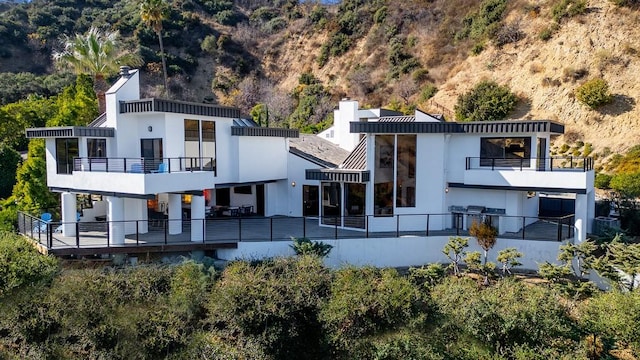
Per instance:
{"type": "Point", "coordinates": [226, 232]}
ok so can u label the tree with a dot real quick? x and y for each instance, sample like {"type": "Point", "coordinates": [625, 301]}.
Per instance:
{"type": "Point", "coordinates": [9, 160]}
{"type": "Point", "coordinates": [485, 234]}
{"type": "Point", "coordinates": [454, 250]}
{"type": "Point", "coordinates": [95, 53]}
{"type": "Point", "coordinates": [152, 12]}
{"type": "Point", "coordinates": [509, 258]}
{"type": "Point", "coordinates": [487, 101]}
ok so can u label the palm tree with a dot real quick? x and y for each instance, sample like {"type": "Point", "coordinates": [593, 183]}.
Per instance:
{"type": "Point", "coordinates": [95, 53]}
{"type": "Point", "coordinates": [152, 12]}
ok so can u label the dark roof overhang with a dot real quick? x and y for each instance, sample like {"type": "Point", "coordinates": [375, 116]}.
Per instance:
{"type": "Point", "coordinates": [338, 175]}
{"type": "Point", "coordinates": [262, 131]}
{"type": "Point", "coordinates": [69, 131]}
{"type": "Point", "coordinates": [178, 107]}
{"type": "Point", "coordinates": [477, 127]}
{"type": "Point", "coordinates": [518, 188]}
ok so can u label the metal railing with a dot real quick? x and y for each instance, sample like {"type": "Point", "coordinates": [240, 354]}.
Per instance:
{"type": "Point", "coordinates": [144, 165]}
{"type": "Point", "coordinates": [537, 164]}
{"type": "Point", "coordinates": [159, 232]}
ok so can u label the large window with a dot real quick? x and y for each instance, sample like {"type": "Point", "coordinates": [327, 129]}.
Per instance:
{"type": "Point", "coordinates": [505, 151]}
{"type": "Point", "coordinates": [384, 174]}
{"type": "Point", "coordinates": [200, 144]}
{"type": "Point", "coordinates": [97, 148]}
{"type": "Point", "coordinates": [406, 171]}
{"type": "Point", "coordinates": [66, 151]}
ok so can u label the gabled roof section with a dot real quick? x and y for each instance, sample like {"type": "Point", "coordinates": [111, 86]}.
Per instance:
{"type": "Point", "coordinates": [97, 122]}
{"type": "Point", "coordinates": [357, 160]}
{"type": "Point", "coordinates": [407, 118]}
{"type": "Point", "coordinates": [317, 150]}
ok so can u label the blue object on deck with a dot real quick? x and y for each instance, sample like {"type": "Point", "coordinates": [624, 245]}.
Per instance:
{"type": "Point", "coordinates": [137, 168]}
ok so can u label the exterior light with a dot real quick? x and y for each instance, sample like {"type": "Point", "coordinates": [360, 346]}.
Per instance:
{"type": "Point", "coordinates": [446, 190]}
{"type": "Point", "coordinates": [150, 128]}
{"type": "Point", "coordinates": [293, 184]}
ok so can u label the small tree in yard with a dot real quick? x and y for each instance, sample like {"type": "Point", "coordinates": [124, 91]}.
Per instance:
{"type": "Point", "coordinates": [509, 258]}
{"type": "Point", "coordinates": [304, 246]}
{"type": "Point", "coordinates": [454, 250]}
{"type": "Point", "coordinates": [486, 236]}
{"type": "Point", "coordinates": [484, 268]}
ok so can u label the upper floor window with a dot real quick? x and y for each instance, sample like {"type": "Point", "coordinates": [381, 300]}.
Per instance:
{"type": "Point", "coordinates": [200, 144]}
{"type": "Point", "coordinates": [96, 148]}
{"type": "Point", "coordinates": [514, 151]}
{"type": "Point", "coordinates": [66, 151]}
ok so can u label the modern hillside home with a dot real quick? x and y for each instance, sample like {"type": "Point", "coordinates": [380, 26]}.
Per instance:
{"type": "Point", "coordinates": [151, 157]}
{"type": "Point", "coordinates": [402, 168]}
{"type": "Point", "coordinates": [160, 172]}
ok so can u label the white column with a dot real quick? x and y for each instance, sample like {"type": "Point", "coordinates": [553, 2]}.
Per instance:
{"type": "Point", "coordinates": [197, 218]}
{"type": "Point", "coordinates": [115, 216]}
{"type": "Point", "coordinates": [69, 217]}
{"type": "Point", "coordinates": [581, 217]}
{"type": "Point", "coordinates": [175, 214]}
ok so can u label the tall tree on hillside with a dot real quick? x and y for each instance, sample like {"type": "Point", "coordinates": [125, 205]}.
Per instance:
{"type": "Point", "coordinates": [98, 54]}
{"type": "Point", "coordinates": [152, 12]}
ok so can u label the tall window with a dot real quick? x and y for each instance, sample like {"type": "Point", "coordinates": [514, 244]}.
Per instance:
{"type": "Point", "coordinates": [97, 148]}
{"type": "Point", "coordinates": [406, 171]}
{"type": "Point", "coordinates": [384, 175]}
{"type": "Point", "coordinates": [209, 145]}
{"type": "Point", "coordinates": [66, 151]}
{"type": "Point", "coordinates": [192, 143]}
{"type": "Point", "coordinates": [200, 144]}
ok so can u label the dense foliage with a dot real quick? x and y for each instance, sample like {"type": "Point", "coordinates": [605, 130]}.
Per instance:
{"type": "Point", "coordinates": [295, 308]}
{"type": "Point", "coordinates": [487, 101]}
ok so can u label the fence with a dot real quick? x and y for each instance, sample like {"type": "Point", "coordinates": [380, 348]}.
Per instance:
{"type": "Point", "coordinates": [158, 232]}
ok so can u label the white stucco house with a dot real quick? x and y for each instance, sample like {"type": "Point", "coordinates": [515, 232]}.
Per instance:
{"type": "Point", "coordinates": [374, 171]}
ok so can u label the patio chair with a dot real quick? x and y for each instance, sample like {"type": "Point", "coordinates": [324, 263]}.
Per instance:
{"type": "Point", "coordinates": [137, 168]}
{"type": "Point", "coordinates": [162, 168]}
{"type": "Point", "coordinates": [41, 225]}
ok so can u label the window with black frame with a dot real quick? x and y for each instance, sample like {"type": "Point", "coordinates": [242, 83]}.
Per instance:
{"type": "Point", "coordinates": [505, 152]}
{"type": "Point", "coordinates": [66, 151]}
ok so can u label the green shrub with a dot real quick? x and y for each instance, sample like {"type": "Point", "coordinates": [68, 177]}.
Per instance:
{"type": "Point", "coordinates": [21, 264]}
{"type": "Point", "coordinates": [594, 93]}
{"type": "Point", "coordinates": [487, 101]}
{"type": "Point", "coordinates": [545, 34]}
{"type": "Point", "coordinates": [274, 305]}
{"type": "Point", "coordinates": [484, 22]}
{"type": "Point", "coordinates": [367, 301]}
{"type": "Point", "coordinates": [427, 92]}
{"type": "Point", "coordinates": [602, 181]}
{"type": "Point", "coordinates": [209, 44]}
{"type": "Point", "coordinates": [304, 246]}
{"type": "Point", "coordinates": [568, 8]}
{"type": "Point", "coordinates": [477, 48]}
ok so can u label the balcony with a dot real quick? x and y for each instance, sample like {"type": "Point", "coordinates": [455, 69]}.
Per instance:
{"type": "Point", "coordinates": [137, 176]}
{"type": "Point", "coordinates": [144, 165]}
{"type": "Point", "coordinates": [561, 174]}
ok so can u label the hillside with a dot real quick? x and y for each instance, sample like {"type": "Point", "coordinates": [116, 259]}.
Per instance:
{"type": "Point", "coordinates": [380, 52]}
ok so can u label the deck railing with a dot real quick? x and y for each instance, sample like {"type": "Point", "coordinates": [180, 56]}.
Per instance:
{"type": "Point", "coordinates": [537, 164]}
{"type": "Point", "coordinates": [144, 165]}
{"type": "Point", "coordinates": [156, 232]}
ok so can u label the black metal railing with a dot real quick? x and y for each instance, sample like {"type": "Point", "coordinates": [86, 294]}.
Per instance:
{"type": "Point", "coordinates": [537, 164]}
{"type": "Point", "coordinates": [144, 165]}
{"type": "Point", "coordinates": [158, 231]}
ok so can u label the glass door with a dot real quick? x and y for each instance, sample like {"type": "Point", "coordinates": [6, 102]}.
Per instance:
{"type": "Point", "coordinates": [151, 153]}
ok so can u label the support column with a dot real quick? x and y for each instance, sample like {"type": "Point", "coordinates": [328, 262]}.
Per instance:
{"type": "Point", "coordinates": [175, 214]}
{"type": "Point", "coordinates": [581, 217]}
{"type": "Point", "coordinates": [197, 218]}
{"type": "Point", "coordinates": [591, 210]}
{"type": "Point", "coordinates": [115, 216]}
{"type": "Point", "coordinates": [69, 217]}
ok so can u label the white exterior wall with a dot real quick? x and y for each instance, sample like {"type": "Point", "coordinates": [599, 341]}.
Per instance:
{"type": "Point", "coordinates": [275, 194]}
{"type": "Point", "coordinates": [262, 158]}
{"type": "Point", "coordinates": [396, 252]}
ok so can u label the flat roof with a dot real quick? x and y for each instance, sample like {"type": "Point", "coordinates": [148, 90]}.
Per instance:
{"type": "Point", "coordinates": [475, 127]}
{"type": "Point", "coordinates": [68, 131]}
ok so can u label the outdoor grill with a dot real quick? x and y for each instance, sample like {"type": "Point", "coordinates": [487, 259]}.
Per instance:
{"type": "Point", "coordinates": [475, 210]}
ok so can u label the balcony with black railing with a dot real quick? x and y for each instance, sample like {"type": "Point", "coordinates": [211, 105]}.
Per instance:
{"type": "Point", "coordinates": [144, 165]}
{"type": "Point", "coordinates": [574, 163]}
